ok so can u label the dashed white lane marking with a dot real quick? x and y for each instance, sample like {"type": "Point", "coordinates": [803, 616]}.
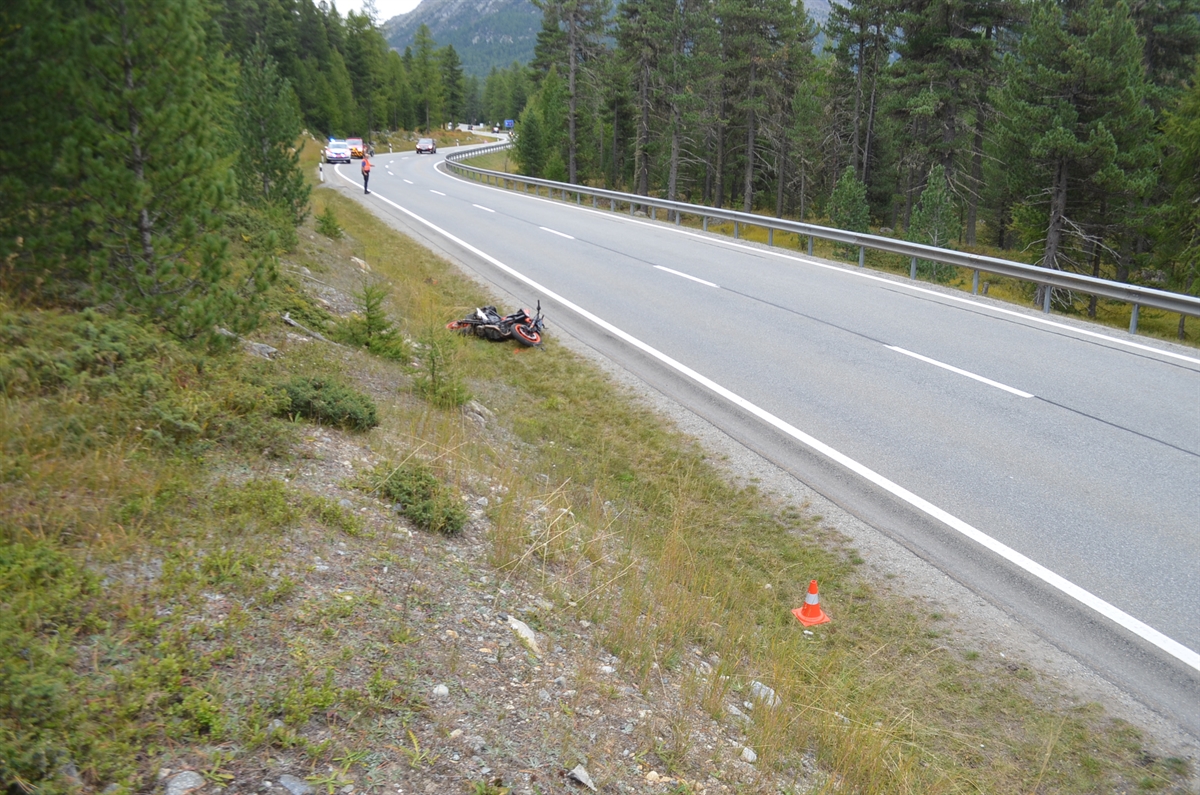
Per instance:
{"type": "Point", "coordinates": [859, 274]}
{"type": "Point", "coordinates": [485, 209]}
{"type": "Point", "coordinates": [966, 373]}
{"type": "Point", "coordinates": [1053, 579]}
{"type": "Point", "coordinates": [438, 192]}
{"type": "Point", "coordinates": [409, 181]}
{"type": "Point", "coordinates": [686, 276]}
{"type": "Point", "coordinates": [553, 232]}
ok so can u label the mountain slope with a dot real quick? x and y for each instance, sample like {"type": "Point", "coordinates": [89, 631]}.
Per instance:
{"type": "Point", "coordinates": [485, 33]}
{"type": "Point", "coordinates": [488, 33]}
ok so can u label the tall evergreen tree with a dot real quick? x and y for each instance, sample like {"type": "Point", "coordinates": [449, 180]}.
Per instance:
{"type": "Point", "coordinates": [934, 221]}
{"type": "Point", "coordinates": [848, 208]}
{"type": "Point", "coordinates": [267, 120]}
{"type": "Point", "coordinates": [1077, 131]}
{"type": "Point", "coordinates": [1178, 238]}
{"type": "Point", "coordinates": [150, 190]}
{"type": "Point", "coordinates": [454, 84]}
{"type": "Point", "coordinates": [426, 77]}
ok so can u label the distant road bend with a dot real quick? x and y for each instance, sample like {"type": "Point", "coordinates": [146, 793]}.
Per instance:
{"type": "Point", "coordinates": [1051, 466]}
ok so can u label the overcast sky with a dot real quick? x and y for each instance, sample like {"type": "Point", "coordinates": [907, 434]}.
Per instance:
{"type": "Point", "coordinates": [384, 9]}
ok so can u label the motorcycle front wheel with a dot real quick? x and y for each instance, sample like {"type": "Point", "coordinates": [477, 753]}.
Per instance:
{"type": "Point", "coordinates": [527, 336]}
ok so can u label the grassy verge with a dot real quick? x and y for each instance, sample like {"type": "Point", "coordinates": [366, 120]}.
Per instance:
{"type": "Point", "coordinates": [164, 608]}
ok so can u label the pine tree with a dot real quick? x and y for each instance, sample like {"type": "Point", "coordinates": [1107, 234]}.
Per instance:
{"type": "Point", "coordinates": [1077, 132]}
{"type": "Point", "coordinates": [453, 84]}
{"type": "Point", "coordinates": [934, 222]}
{"type": "Point", "coordinates": [1178, 238]}
{"type": "Point", "coordinates": [426, 75]}
{"type": "Point", "coordinates": [848, 208]}
{"type": "Point", "coordinates": [529, 142]}
{"type": "Point", "coordinates": [151, 190]}
{"type": "Point", "coordinates": [267, 120]}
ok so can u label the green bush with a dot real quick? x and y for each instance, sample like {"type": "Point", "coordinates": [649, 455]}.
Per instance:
{"type": "Point", "coordinates": [427, 501]}
{"type": "Point", "coordinates": [327, 400]}
{"type": "Point", "coordinates": [100, 377]}
{"type": "Point", "coordinates": [371, 328]}
{"type": "Point", "coordinates": [327, 224]}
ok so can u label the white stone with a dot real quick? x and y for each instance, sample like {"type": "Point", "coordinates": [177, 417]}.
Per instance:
{"type": "Point", "coordinates": [748, 755]}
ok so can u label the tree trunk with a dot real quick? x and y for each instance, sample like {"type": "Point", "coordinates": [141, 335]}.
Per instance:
{"type": "Point", "coordinates": [642, 164]}
{"type": "Point", "coordinates": [856, 150]}
{"type": "Point", "coordinates": [1054, 232]}
{"type": "Point", "coordinates": [673, 171]}
{"type": "Point", "coordinates": [1095, 254]}
{"type": "Point", "coordinates": [780, 165]}
{"type": "Point", "coordinates": [976, 179]}
{"type": "Point", "coordinates": [870, 131]}
{"type": "Point", "coordinates": [137, 158]}
{"type": "Point", "coordinates": [572, 67]}
{"type": "Point", "coordinates": [719, 188]}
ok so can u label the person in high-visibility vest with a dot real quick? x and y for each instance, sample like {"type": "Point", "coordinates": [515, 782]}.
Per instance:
{"type": "Point", "coordinates": [366, 171]}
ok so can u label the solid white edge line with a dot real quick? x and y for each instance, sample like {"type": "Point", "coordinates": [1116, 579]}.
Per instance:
{"type": "Point", "coordinates": [1084, 597]}
{"type": "Point", "coordinates": [485, 209]}
{"type": "Point", "coordinates": [555, 232]}
{"type": "Point", "coordinates": [855, 272]}
{"type": "Point", "coordinates": [954, 369]}
{"type": "Point", "coordinates": [686, 276]}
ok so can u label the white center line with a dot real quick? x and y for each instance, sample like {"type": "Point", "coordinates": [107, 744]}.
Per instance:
{"type": "Point", "coordinates": [684, 275]}
{"type": "Point", "coordinates": [409, 181]}
{"type": "Point", "coordinates": [551, 231]}
{"type": "Point", "coordinates": [954, 369]}
{"type": "Point", "coordinates": [1055, 580]}
{"type": "Point", "coordinates": [438, 192]}
{"type": "Point", "coordinates": [485, 209]}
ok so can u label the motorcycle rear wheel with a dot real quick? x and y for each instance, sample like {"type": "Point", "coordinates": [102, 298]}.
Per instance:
{"type": "Point", "coordinates": [527, 336]}
{"type": "Point", "coordinates": [459, 325]}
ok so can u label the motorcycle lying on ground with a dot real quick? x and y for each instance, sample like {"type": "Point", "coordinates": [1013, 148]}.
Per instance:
{"type": "Point", "coordinates": [488, 323]}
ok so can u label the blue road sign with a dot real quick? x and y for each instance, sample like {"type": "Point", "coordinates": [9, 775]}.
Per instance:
{"type": "Point", "coordinates": [508, 123]}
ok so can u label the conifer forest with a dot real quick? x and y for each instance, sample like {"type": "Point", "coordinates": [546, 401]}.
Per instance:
{"type": "Point", "coordinates": [1060, 132]}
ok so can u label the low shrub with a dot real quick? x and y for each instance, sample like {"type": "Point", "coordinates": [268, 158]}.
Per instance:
{"type": "Point", "coordinates": [328, 400]}
{"type": "Point", "coordinates": [327, 224]}
{"type": "Point", "coordinates": [431, 504]}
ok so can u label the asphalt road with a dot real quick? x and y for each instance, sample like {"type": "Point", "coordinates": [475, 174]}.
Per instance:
{"type": "Point", "coordinates": [1052, 467]}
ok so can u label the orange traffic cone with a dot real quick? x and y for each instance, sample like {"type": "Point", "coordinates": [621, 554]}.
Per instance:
{"type": "Point", "coordinates": [811, 614]}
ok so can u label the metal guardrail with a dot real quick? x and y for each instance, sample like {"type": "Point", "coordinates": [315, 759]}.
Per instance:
{"type": "Point", "coordinates": [1133, 294]}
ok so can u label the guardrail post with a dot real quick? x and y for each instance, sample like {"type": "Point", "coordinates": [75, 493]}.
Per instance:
{"type": "Point", "coordinates": [771, 236]}
{"type": "Point", "coordinates": [912, 268]}
{"type": "Point", "coordinates": [1046, 299]}
{"type": "Point", "coordinates": [653, 213]}
{"type": "Point", "coordinates": [975, 284]}
{"type": "Point", "coordinates": [862, 255]}
{"type": "Point", "coordinates": [593, 200]}
{"type": "Point", "coordinates": [579, 198]}
{"type": "Point", "coordinates": [810, 245]}
{"type": "Point", "coordinates": [631, 206]}
{"type": "Point", "coordinates": [735, 230]}
{"type": "Point", "coordinates": [678, 218]}
{"type": "Point", "coordinates": [705, 219]}
{"type": "Point", "coordinates": [1133, 319]}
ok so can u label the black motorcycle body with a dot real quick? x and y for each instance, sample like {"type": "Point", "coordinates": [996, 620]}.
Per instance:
{"type": "Point", "coordinates": [488, 323]}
